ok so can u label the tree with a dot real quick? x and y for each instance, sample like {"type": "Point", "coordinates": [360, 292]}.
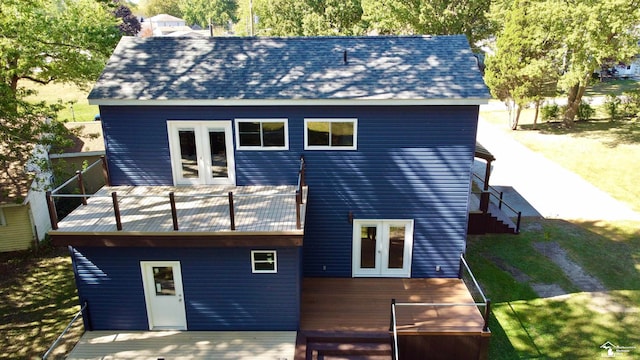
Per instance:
{"type": "Point", "coordinates": [129, 24]}
{"type": "Point", "coordinates": [594, 32]}
{"type": "Point", "coordinates": [309, 18]}
{"type": "Point", "coordinates": [522, 69]}
{"type": "Point", "coordinates": [206, 12]}
{"type": "Point", "coordinates": [434, 17]}
{"type": "Point", "coordinates": [156, 7]}
{"type": "Point", "coordinates": [45, 41]}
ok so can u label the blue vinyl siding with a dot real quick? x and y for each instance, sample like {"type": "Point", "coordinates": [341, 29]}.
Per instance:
{"type": "Point", "coordinates": [220, 291]}
{"type": "Point", "coordinates": [411, 163]}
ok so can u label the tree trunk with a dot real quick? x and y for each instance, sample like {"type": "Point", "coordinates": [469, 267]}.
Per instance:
{"type": "Point", "coordinates": [573, 101]}
{"type": "Point", "coordinates": [516, 118]}
{"type": "Point", "coordinates": [535, 118]}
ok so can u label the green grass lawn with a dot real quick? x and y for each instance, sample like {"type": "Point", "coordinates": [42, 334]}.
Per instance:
{"type": "Point", "coordinates": [74, 99]}
{"type": "Point", "coordinates": [527, 327]}
{"type": "Point", "coordinates": [613, 87]}
{"type": "Point", "coordinates": [37, 301]}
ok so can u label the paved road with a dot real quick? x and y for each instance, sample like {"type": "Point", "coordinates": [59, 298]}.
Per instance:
{"type": "Point", "coordinates": [540, 187]}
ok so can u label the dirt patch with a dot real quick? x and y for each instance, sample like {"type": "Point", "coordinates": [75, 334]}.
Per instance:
{"type": "Point", "coordinates": [580, 278]}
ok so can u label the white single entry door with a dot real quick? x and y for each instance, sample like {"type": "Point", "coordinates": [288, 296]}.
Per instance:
{"type": "Point", "coordinates": [382, 248]}
{"type": "Point", "coordinates": [162, 281]}
{"type": "Point", "coordinates": [201, 152]}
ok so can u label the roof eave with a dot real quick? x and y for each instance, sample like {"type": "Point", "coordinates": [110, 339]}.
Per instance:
{"type": "Point", "coordinates": [289, 102]}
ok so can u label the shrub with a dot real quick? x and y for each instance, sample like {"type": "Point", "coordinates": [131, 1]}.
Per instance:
{"type": "Point", "coordinates": [585, 111]}
{"type": "Point", "coordinates": [612, 106]}
{"type": "Point", "coordinates": [630, 104]}
{"type": "Point", "coordinates": [550, 112]}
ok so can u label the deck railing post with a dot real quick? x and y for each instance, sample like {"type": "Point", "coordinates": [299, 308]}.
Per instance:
{"type": "Point", "coordinates": [487, 312]}
{"type": "Point", "coordinates": [391, 319]}
{"type": "Point", "coordinates": [81, 187]}
{"type": "Point", "coordinates": [484, 201]}
{"type": "Point", "coordinates": [298, 204]}
{"type": "Point", "coordinates": [232, 215]}
{"type": "Point", "coordinates": [518, 222]}
{"type": "Point", "coordinates": [116, 210]}
{"type": "Point", "coordinates": [174, 211]}
{"type": "Point", "coordinates": [53, 216]}
{"type": "Point", "coordinates": [460, 268]}
{"type": "Point", "coordinates": [500, 204]}
{"type": "Point", "coordinates": [105, 170]}
{"type": "Point", "coordinates": [302, 170]}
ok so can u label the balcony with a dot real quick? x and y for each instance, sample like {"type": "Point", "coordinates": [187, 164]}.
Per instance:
{"type": "Point", "coordinates": [204, 215]}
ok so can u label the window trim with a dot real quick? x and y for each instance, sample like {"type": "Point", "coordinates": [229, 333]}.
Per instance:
{"type": "Point", "coordinates": [3, 220]}
{"type": "Point", "coordinates": [262, 147]}
{"type": "Point", "coordinates": [254, 262]}
{"type": "Point", "coordinates": [330, 147]}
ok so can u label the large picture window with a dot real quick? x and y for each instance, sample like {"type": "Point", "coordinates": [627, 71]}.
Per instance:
{"type": "Point", "coordinates": [262, 134]}
{"type": "Point", "coordinates": [330, 134]}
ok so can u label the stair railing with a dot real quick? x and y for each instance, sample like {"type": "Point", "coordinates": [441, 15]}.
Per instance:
{"type": "Point", "coordinates": [493, 193]}
{"type": "Point", "coordinates": [55, 343]}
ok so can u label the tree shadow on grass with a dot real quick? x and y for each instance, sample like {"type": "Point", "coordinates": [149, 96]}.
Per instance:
{"type": "Point", "coordinates": [611, 133]}
{"type": "Point", "coordinates": [37, 302]}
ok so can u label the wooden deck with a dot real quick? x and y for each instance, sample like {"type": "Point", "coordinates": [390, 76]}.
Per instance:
{"type": "Point", "coordinates": [152, 345]}
{"type": "Point", "coordinates": [200, 209]}
{"type": "Point", "coordinates": [364, 305]}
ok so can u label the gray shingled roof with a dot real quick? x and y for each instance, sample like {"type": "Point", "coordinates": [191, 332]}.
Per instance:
{"type": "Point", "coordinates": [309, 68]}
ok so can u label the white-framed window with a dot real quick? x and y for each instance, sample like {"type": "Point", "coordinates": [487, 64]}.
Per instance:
{"type": "Point", "coordinates": [262, 134]}
{"type": "Point", "coordinates": [264, 261]}
{"type": "Point", "coordinates": [3, 221]}
{"type": "Point", "coordinates": [330, 134]}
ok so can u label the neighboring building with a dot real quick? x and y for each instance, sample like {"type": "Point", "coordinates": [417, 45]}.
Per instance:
{"type": "Point", "coordinates": [386, 126]}
{"type": "Point", "coordinates": [87, 148]}
{"type": "Point", "coordinates": [165, 25]}
{"type": "Point", "coordinates": [23, 207]}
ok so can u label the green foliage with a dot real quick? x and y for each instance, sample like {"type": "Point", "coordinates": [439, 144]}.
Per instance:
{"type": "Point", "coordinates": [156, 7]}
{"type": "Point", "coordinates": [567, 42]}
{"type": "Point", "coordinates": [585, 111]}
{"type": "Point", "coordinates": [359, 17]}
{"type": "Point", "coordinates": [308, 18]}
{"type": "Point", "coordinates": [611, 106]}
{"type": "Point", "coordinates": [550, 112]}
{"type": "Point", "coordinates": [205, 12]}
{"type": "Point", "coordinates": [630, 104]}
{"type": "Point", "coordinates": [80, 35]}
{"type": "Point", "coordinates": [435, 17]}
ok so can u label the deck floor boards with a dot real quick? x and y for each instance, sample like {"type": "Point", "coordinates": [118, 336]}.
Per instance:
{"type": "Point", "coordinates": [200, 209]}
{"type": "Point", "coordinates": [152, 345]}
{"type": "Point", "coordinates": [364, 305]}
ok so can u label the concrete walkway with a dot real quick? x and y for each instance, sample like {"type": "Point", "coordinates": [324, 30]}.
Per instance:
{"type": "Point", "coordinates": [539, 187]}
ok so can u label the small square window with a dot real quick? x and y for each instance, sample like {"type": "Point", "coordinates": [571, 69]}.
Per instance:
{"type": "Point", "coordinates": [330, 134]}
{"type": "Point", "coordinates": [262, 134]}
{"type": "Point", "coordinates": [264, 261]}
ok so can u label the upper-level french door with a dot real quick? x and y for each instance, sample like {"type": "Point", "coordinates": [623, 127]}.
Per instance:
{"type": "Point", "coordinates": [201, 152]}
{"type": "Point", "coordinates": [382, 248]}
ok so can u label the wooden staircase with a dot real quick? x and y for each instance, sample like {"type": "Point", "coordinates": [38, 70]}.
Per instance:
{"type": "Point", "coordinates": [494, 221]}
{"type": "Point", "coordinates": [499, 222]}
{"type": "Point", "coordinates": [343, 346]}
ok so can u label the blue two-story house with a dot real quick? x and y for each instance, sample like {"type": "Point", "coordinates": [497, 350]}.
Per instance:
{"type": "Point", "coordinates": [239, 166]}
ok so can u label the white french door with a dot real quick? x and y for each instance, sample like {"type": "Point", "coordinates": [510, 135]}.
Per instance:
{"type": "Point", "coordinates": [382, 248]}
{"type": "Point", "coordinates": [201, 152]}
{"type": "Point", "coordinates": [162, 281]}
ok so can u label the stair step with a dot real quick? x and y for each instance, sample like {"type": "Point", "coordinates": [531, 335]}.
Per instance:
{"type": "Point", "coordinates": [342, 348]}
{"type": "Point", "coordinates": [356, 357]}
